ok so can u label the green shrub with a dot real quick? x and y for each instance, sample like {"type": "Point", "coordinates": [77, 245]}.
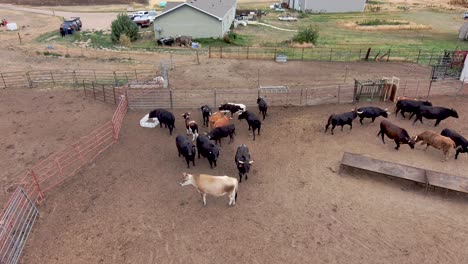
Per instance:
{"type": "Point", "coordinates": [307, 34]}
{"type": "Point", "coordinates": [380, 22]}
{"type": "Point", "coordinates": [123, 25]}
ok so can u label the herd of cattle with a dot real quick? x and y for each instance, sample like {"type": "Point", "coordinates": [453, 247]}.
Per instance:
{"type": "Point", "coordinates": [447, 141]}
{"type": "Point", "coordinates": [219, 128]}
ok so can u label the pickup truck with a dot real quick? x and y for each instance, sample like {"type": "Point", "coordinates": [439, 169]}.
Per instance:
{"type": "Point", "coordinates": [142, 21]}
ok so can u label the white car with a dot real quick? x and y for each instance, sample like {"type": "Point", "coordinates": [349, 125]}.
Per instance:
{"type": "Point", "coordinates": [287, 18]}
{"type": "Point", "coordinates": [151, 15]}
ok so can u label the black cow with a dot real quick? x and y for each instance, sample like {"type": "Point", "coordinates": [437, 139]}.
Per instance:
{"type": "Point", "coordinates": [221, 132]}
{"type": "Point", "coordinates": [262, 106]}
{"type": "Point", "coordinates": [166, 41]}
{"type": "Point", "coordinates": [252, 120]}
{"type": "Point", "coordinates": [409, 106]}
{"type": "Point", "coordinates": [207, 150]}
{"type": "Point", "coordinates": [434, 112]}
{"type": "Point", "coordinates": [460, 141]}
{"type": "Point", "coordinates": [165, 117]}
{"type": "Point", "coordinates": [371, 112]}
{"type": "Point", "coordinates": [231, 107]}
{"type": "Point", "coordinates": [341, 120]}
{"type": "Point", "coordinates": [398, 134]}
{"type": "Point", "coordinates": [186, 148]}
{"type": "Point", "coordinates": [243, 161]}
{"type": "Point", "coordinates": [206, 113]}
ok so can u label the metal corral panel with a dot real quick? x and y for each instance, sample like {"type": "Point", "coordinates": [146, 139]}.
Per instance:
{"type": "Point", "coordinates": [16, 223]}
{"type": "Point", "coordinates": [188, 21]}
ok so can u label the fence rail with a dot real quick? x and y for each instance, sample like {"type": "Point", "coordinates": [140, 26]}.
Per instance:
{"type": "Point", "coordinates": [303, 95]}
{"type": "Point", "coordinates": [20, 212]}
{"type": "Point", "coordinates": [34, 79]}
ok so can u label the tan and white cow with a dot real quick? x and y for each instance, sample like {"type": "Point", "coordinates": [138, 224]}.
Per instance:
{"type": "Point", "coordinates": [213, 185]}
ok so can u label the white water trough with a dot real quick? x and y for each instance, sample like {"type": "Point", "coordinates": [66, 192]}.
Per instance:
{"type": "Point", "coordinates": [149, 122]}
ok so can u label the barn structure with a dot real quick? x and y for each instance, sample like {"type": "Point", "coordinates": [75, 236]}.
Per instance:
{"type": "Point", "coordinates": [196, 18]}
{"type": "Point", "coordinates": [327, 6]}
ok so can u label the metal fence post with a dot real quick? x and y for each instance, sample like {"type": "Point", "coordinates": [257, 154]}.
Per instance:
{"type": "Point", "coordinates": [113, 91]}
{"type": "Point", "coordinates": [170, 97]}
{"type": "Point", "coordinates": [75, 81]}
{"type": "Point", "coordinates": [274, 56]}
{"type": "Point", "coordinates": [429, 90]}
{"type": "Point", "coordinates": [339, 93]}
{"type": "Point", "coordinates": [115, 79]}
{"type": "Point", "coordinates": [300, 98]}
{"type": "Point", "coordinates": [430, 60]}
{"type": "Point", "coordinates": [3, 79]}
{"type": "Point", "coordinates": [248, 52]}
{"type": "Point", "coordinates": [104, 92]}
{"type": "Point", "coordinates": [306, 95]}
{"type": "Point", "coordinates": [388, 56]}
{"type": "Point", "coordinates": [419, 54]}
{"type": "Point", "coordinates": [417, 90]}
{"type": "Point", "coordinates": [302, 55]}
{"type": "Point", "coordinates": [94, 91]}
{"type": "Point", "coordinates": [331, 54]}
{"type": "Point", "coordinates": [215, 97]}
{"type": "Point", "coordinates": [360, 54]}
{"type": "Point", "coordinates": [41, 194]}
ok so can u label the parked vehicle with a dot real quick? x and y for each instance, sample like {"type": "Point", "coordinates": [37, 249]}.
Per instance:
{"type": "Point", "coordinates": [142, 21]}
{"type": "Point", "coordinates": [184, 40]}
{"type": "Point", "coordinates": [166, 41]}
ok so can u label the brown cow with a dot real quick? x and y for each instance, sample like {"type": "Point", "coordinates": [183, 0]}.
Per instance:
{"type": "Point", "coordinates": [398, 134]}
{"type": "Point", "coordinates": [213, 185]}
{"type": "Point", "coordinates": [223, 121]}
{"type": "Point", "coordinates": [437, 141]}
{"type": "Point", "coordinates": [214, 117]}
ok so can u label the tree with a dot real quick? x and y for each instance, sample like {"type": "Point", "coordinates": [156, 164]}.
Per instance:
{"type": "Point", "coordinates": [123, 25]}
{"type": "Point", "coordinates": [307, 34]}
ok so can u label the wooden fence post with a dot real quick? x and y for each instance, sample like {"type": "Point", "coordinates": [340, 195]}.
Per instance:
{"type": "Point", "coordinates": [3, 79]}
{"type": "Point", "coordinates": [198, 60]}
{"type": "Point", "coordinates": [19, 37]}
{"type": "Point", "coordinates": [248, 52]}
{"type": "Point", "coordinates": [302, 55]}
{"type": "Point", "coordinates": [95, 79]}
{"type": "Point", "coordinates": [94, 91]}
{"type": "Point", "coordinates": [52, 76]}
{"type": "Point", "coordinates": [419, 54]}
{"type": "Point", "coordinates": [274, 57]}
{"type": "Point", "coordinates": [104, 92]}
{"type": "Point", "coordinates": [209, 52]}
{"type": "Point", "coordinates": [31, 84]}
{"type": "Point", "coordinates": [75, 80]}
{"type": "Point", "coordinates": [221, 52]}
{"type": "Point", "coordinates": [115, 79]}
{"type": "Point", "coordinates": [331, 53]}
{"type": "Point", "coordinates": [360, 54]}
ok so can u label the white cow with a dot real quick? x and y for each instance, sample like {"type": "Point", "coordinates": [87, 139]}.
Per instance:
{"type": "Point", "coordinates": [213, 185]}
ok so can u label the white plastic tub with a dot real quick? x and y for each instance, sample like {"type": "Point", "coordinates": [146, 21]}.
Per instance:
{"type": "Point", "coordinates": [149, 122]}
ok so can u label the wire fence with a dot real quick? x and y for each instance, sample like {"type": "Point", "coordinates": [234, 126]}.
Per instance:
{"type": "Point", "coordinates": [427, 57]}
{"type": "Point", "coordinates": [20, 212]}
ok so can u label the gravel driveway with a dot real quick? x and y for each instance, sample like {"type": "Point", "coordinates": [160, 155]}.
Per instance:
{"type": "Point", "coordinates": [96, 21]}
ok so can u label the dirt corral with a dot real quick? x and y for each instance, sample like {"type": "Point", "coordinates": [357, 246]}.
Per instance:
{"type": "Point", "coordinates": [127, 207]}
{"type": "Point", "coordinates": [36, 123]}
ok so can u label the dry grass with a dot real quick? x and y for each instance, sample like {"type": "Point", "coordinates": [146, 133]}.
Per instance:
{"type": "Point", "coordinates": [408, 26]}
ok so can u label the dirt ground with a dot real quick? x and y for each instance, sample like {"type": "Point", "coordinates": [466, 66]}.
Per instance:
{"type": "Point", "coordinates": [36, 123]}
{"type": "Point", "coordinates": [127, 207]}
